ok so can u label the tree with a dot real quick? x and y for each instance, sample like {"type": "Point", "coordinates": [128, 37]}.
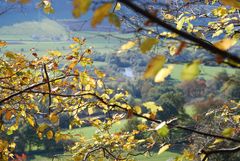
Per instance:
{"type": "Point", "coordinates": [74, 88]}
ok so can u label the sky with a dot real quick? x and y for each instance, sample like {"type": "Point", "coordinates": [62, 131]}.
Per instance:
{"type": "Point", "coordinates": [29, 12]}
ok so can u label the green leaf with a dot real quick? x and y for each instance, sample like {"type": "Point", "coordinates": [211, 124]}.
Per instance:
{"type": "Point", "coordinates": [148, 44]}
{"type": "Point", "coordinates": [113, 19]}
{"type": "Point", "coordinates": [162, 129]}
{"type": "Point", "coordinates": [228, 132]}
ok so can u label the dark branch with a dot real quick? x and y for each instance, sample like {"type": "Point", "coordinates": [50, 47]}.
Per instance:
{"type": "Point", "coordinates": [200, 42]}
{"type": "Point", "coordinates": [225, 150]}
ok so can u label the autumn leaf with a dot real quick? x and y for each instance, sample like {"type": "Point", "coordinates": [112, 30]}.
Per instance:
{"type": "Point", "coordinates": [152, 107]}
{"type": "Point", "coordinates": [53, 118]}
{"type": "Point", "coordinates": [100, 13]}
{"type": "Point", "coordinates": [8, 115]}
{"type": "Point", "coordinates": [148, 44]}
{"type": "Point", "coordinates": [127, 46]}
{"type": "Point", "coordinates": [232, 3]}
{"type": "Point", "coordinates": [191, 70]}
{"type": "Point", "coordinates": [163, 73]}
{"type": "Point", "coordinates": [31, 120]}
{"type": "Point", "coordinates": [73, 64]}
{"type": "Point", "coordinates": [80, 7]}
{"type": "Point", "coordinates": [3, 43]}
{"type": "Point", "coordinates": [50, 134]}
{"type": "Point", "coordinates": [118, 6]}
{"type": "Point", "coordinates": [163, 148]}
{"type": "Point", "coordinates": [154, 65]}
{"type": "Point", "coordinates": [225, 44]}
{"type": "Point", "coordinates": [24, 1]}
{"type": "Point", "coordinates": [113, 19]}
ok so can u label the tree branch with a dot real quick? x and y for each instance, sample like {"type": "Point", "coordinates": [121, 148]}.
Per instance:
{"type": "Point", "coordinates": [200, 42]}
{"type": "Point", "coordinates": [49, 86]}
{"type": "Point", "coordinates": [32, 87]}
{"type": "Point", "coordinates": [225, 150]}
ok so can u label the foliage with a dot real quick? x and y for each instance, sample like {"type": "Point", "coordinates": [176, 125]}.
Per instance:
{"type": "Point", "coordinates": [39, 91]}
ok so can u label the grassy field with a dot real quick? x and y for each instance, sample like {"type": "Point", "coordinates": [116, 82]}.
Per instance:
{"type": "Point", "coordinates": [207, 72]}
{"type": "Point", "coordinates": [100, 41]}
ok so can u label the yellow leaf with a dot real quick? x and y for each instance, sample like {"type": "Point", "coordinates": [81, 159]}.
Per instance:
{"type": "Point", "coordinates": [180, 23]}
{"type": "Point", "coordinates": [229, 28]}
{"type": "Point", "coordinates": [191, 70]}
{"type": "Point", "coordinates": [127, 46]}
{"type": "Point", "coordinates": [10, 54]}
{"type": "Point", "coordinates": [152, 107]}
{"type": "Point", "coordinates": [142, 127]}
{"type": "Point", "coordinates": [100, 13]}
{"type": "Point", "coordinates": [163, 148]}
{"type": "Point", "coordinates": [100, 83]}
{"type": "Point", "coordinates": [118, 6]}
{"type": "Point", "coordinates": [90, 110]}
{"type": "Point", "coordinates": [53, 118]}
{"type": "Point", "coordinates": [163, 73]}
{"type": "Point", "coordinates": [138, 109]}
{"type": "Point", "coordinates": [99, 73]}
{"type": "Point", "coordinates": [225, 44]}
{"type": "Point", "coordinates": [217, 141]}
{"type": "Point", "coordinates": [80, 7]}
{"type": "Point", "coordinates": [50, 134]}
{"type": "Point", "coordinates": [217, 33]}
{"type": "Point", "coordinates": [31, 120]}
{"type": "Point", "coordinates": [148, 44]}
{"type": "Point", "coordinates": [42, 127]}
{"type": "Point", "coordinates": [228, 132]}
{"type": "Point", "coordinates": [154, 65]}
{"type": "Point", "coordinates": [55, 53]}
{"type": "Point", "coordinates": [232, 3]}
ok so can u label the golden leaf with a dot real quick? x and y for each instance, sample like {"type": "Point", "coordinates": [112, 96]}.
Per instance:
{"type": "Point", "coordinates": [225, 43]}
{"type": "Point", "coordinates": [100, 13]}
{"type": "Point", "coordinates": [53, 118]}
{"type": "Point", "coordinates": [3, 43]}
{"type": "Point", "coordinates": [127, 46]}
{"type": "Point", "coordinates": [80, 7]}
{"type": "Point", "coordinates": [232, 3]}
{"type": "Point", "coordinates": [50, 134]}
{"type": "Point", "coordinates": [163, 73]}
{"type": "Point", "coordinates": [154, 65]}
{"type": "Point", "coordinates": [73, 64]}
{"type": "Point", "coordinates": [31, 120]}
